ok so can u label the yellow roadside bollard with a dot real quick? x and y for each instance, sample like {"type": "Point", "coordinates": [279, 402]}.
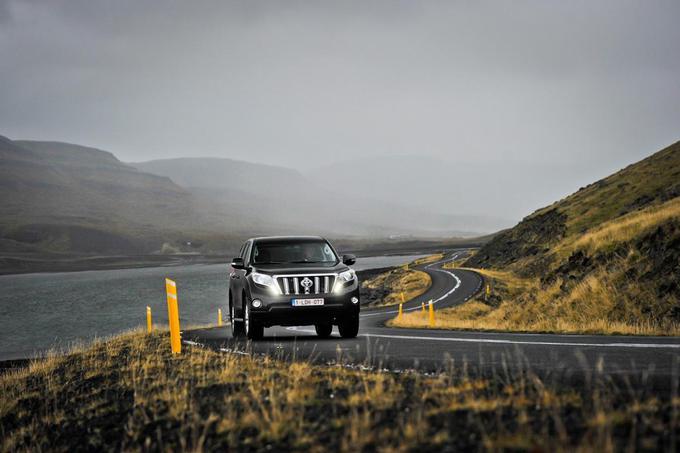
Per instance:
{"type": "Point", "coordinates": [401, 312]}
{"type": "Point", "coordinates": [149, 325]}
{"type": "Point", "coordinates": [431, 320]}
{"type": "Point", "coordinates": [173, 316]}
{"type": "Point", "coordinates": [488, 292]}
{"type": "Point", "coordinates": [219, 317]}
{"type": "Point", "coordinates": [422, 305]}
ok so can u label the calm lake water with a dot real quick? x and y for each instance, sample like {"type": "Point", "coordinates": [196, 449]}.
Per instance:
{"type": "Point", "coordinates": [54, 310]}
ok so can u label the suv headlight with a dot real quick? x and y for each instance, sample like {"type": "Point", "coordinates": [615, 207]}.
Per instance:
{"type": "Point", "coordinates": [265, 280]}
{"type": "Point", "coordinates": [344, 277]}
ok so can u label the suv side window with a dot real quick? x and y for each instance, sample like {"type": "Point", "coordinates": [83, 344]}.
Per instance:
{"type": "Point", "coordinates": [246, 252]}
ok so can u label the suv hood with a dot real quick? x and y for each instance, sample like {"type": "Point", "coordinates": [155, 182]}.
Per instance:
{"type": "Point", "coordinates": [299, 268]}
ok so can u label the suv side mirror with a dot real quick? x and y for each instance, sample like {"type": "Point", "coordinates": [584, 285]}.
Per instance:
{"type": "Point", "coordinates": [237, 263]}
{"type": "Point", "coordinates": [349, 259]}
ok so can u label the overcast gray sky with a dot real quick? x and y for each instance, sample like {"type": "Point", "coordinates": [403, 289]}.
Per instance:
{"type": "Point", "coordinates": [588, 83]}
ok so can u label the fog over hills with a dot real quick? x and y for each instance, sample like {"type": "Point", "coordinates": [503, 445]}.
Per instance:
{"type": "Point", "coordinates": [230, 174]}
{"type": "Point", "coordinates": [323, 200]}
{"type": "Point", "coordinates": [496, 194]}
{"type": "Point", "coordinates": [65, 198]}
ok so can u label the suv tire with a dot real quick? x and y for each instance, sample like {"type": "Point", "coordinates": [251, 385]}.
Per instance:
{"type": "Point", "coordinates": [323, 330]}
{"type": "Point", "coordinates": [349, 327]}
{"type": "Point", "coordinates": [237, 329]}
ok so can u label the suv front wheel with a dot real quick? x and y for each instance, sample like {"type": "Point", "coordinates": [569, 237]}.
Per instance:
{"type": "Point", "coordinates": [323, 330]}
{"type": "Point", "coordinates": [236, 326]}
{"type": "Point", "coordinates": [349, 327]}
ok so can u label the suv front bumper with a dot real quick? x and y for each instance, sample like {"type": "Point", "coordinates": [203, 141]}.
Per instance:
{"type": "Point", "coordinates": [278, 310]}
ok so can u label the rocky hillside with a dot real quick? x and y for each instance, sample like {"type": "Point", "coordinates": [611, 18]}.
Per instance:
{"type": "Point", "coordinates": [613, 246]}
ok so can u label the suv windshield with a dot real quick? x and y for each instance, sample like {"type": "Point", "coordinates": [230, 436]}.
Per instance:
{"type": "Point", "coordinates": [293, 252]}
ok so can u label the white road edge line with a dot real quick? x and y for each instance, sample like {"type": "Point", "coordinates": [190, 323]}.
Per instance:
{"type": "Point", "coordinates": [539, 343]}
{"type": "Point", "coordinates": [497, 341]}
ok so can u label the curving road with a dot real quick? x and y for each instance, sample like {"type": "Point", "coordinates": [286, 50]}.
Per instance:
{"type": "Point", "coordinates": [655, 360]}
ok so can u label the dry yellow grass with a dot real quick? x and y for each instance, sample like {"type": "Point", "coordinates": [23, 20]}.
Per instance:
{"type": "Point", "coordinates": [130, 394]}
{"type": "Point", "coordinates": [476, 315]}
{"type": "Point", "coordinates": [521, 304]}
{"type": "Point", "coordinates": [623, 229]}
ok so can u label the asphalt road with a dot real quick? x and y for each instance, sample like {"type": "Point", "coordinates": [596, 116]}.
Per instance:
{"type": "Point", "coordinates": [579, 358]}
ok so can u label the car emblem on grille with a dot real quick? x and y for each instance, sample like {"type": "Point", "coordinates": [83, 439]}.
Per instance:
{"type": "Point", "coordinates": [306, 284]}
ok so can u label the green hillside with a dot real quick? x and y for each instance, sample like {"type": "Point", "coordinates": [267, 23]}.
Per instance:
{"type": "Point", "coordinates": [608, 255]}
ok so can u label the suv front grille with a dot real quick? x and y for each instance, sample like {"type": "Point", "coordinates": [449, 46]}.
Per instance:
{"type": "Point", "coordinates": [306, 284]}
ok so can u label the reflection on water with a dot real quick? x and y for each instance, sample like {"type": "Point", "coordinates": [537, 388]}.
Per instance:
{"type": "Point", "coordinates": [39, 311]}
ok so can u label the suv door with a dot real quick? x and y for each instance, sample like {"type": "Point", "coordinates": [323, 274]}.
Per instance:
{"type": "Point", "coordinates": [238, 277]}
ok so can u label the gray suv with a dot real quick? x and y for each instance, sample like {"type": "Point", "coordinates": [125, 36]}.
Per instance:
{"type": "Point", "coordinates": [292, 281]}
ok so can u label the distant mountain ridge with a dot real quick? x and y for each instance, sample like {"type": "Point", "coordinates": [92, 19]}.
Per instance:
{"type": "Point", "coordinates": [219, 173]}
{"type": "Point", "coordinates": [59, 152]}
{"type": "Point", "coordinates": [57, 195]}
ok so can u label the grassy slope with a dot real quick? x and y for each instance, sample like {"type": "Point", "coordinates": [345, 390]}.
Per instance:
{"type": "Point", "coordinates": [62, 197]}
{"type": "Point", "coordinates": [130, 394]}
{"type": "Point", "coordinates": [605, 259]}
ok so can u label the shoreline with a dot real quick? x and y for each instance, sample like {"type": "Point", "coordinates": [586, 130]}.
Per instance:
{"type": "Point", "coordinates": [30, 265]}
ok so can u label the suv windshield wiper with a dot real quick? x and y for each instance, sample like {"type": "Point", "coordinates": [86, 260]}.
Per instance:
{"type": "Point", "coordinates": [292, 262]}
{"type": "Point", "coordinates": [305, 261]}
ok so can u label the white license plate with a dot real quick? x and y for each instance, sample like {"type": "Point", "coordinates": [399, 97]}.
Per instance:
{"type": "Point", "coordinates": [306, 302]}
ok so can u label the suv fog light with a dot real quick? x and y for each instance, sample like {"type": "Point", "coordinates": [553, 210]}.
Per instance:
{"type": "Point", "coordinates": [355, 300]}
{"type": "Point", "coordinates": [257, 303]}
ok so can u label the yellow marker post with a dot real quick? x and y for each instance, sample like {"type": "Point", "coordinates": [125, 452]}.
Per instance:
{"type": "Point", "coordinates": [422, 305]}
{"type": "Point", "coordinates": [431, 320]}
{"type": "Point", "coordinates": [173, 316]}
{"type": "Point", "coordinates": [401, 312]}
{"type": "Point", "coordinates": [488, 292]}
{"type": "Point", "coordinates": [149, 325]}
{"type": "Point", "coordinates": [219, 317]}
